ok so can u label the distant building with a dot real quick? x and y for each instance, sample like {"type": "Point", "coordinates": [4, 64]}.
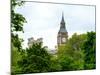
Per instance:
{"type": "Point", "coordinates": [31, 41]}
{"type": "Point", "coordinates": [62, 36]}
{"type": "Point", "coordinates": [46, 47]}
{"type": "Point", "coordinates": [52, 51]}
{"type": "Point", "coordinates": [39, 40]}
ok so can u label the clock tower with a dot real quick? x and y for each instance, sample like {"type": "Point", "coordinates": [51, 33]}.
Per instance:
{"type": "Point", "coordinates": [62, 36]}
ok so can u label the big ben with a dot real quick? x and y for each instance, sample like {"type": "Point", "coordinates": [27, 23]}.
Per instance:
{"type": "Point", "coordinates": [62, 36]}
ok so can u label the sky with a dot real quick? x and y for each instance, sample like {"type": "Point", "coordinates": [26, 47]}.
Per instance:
{"type": "Point", "coordinates": [43, 20]}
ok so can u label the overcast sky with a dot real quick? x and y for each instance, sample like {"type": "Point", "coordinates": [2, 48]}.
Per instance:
{"type": "Point", "coordinates": [43, 20]}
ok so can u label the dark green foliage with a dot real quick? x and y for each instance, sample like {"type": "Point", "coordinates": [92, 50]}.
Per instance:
{"type": "Point", "coordinates": [65, 63]}
{"type": "Point", "coordinates": [16, 41]}
{"type": "Point", "coordinates": [17, 21]}
{"type": "Point", "coordinates": [90, 51]}
{"type": "Point", "coordinates": [55, 64]}
{"type": "Point", "coordinates": [71, 55]}
{"type": "Point", "coordinates": [36, 60]}
{"type": "Point", "coordinates": [15, 57]}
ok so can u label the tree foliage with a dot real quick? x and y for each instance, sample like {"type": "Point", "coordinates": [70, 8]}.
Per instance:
{"type": "Point", "coordinates": [90, 51]}
{"type": "Point", "coordinates": [79, 52]}
{"type": "Point", "coordinates": [71, 55]}
{"type": "Point", "coordinates": [17, 22]}
{"type": "Point", "coordinates": [15, 56]}
{"type": "Point", "coordinates": [36, 59]}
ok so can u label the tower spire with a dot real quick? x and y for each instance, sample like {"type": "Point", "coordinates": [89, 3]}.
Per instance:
{"type": "Point", "coordinates": [62, 16]}
{"type": "Point", "coordinates": [62, 24]}
{"type": "Point", "coordinates": [62, 21]}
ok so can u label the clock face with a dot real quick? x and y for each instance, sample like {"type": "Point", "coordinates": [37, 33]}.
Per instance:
{"type": "Point", "coordinates": [63, 39]}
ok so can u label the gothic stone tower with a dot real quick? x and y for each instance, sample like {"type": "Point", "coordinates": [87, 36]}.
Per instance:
{"type": "Point", "coordinates": [62, 36]}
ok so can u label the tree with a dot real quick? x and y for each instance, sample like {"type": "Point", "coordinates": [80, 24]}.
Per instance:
{"type": "Point", "coordinates": [71, 56]}
{"type": "Point", "coordinates": [90, 51]}
{"type": "Point", "coordinates": [17, 22]}
{"type": "Point", "coordinates": [36, 60]}
{"type": "Point", "coordinates": [55, 64]}
{"type": "Point", "coordinates": [15, 57]}
{"type": "Point", "coordinates": [17, 19]}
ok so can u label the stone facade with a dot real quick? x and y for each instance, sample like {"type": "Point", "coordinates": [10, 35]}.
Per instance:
{"type": "Point", "coordinates": [31, 41]}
